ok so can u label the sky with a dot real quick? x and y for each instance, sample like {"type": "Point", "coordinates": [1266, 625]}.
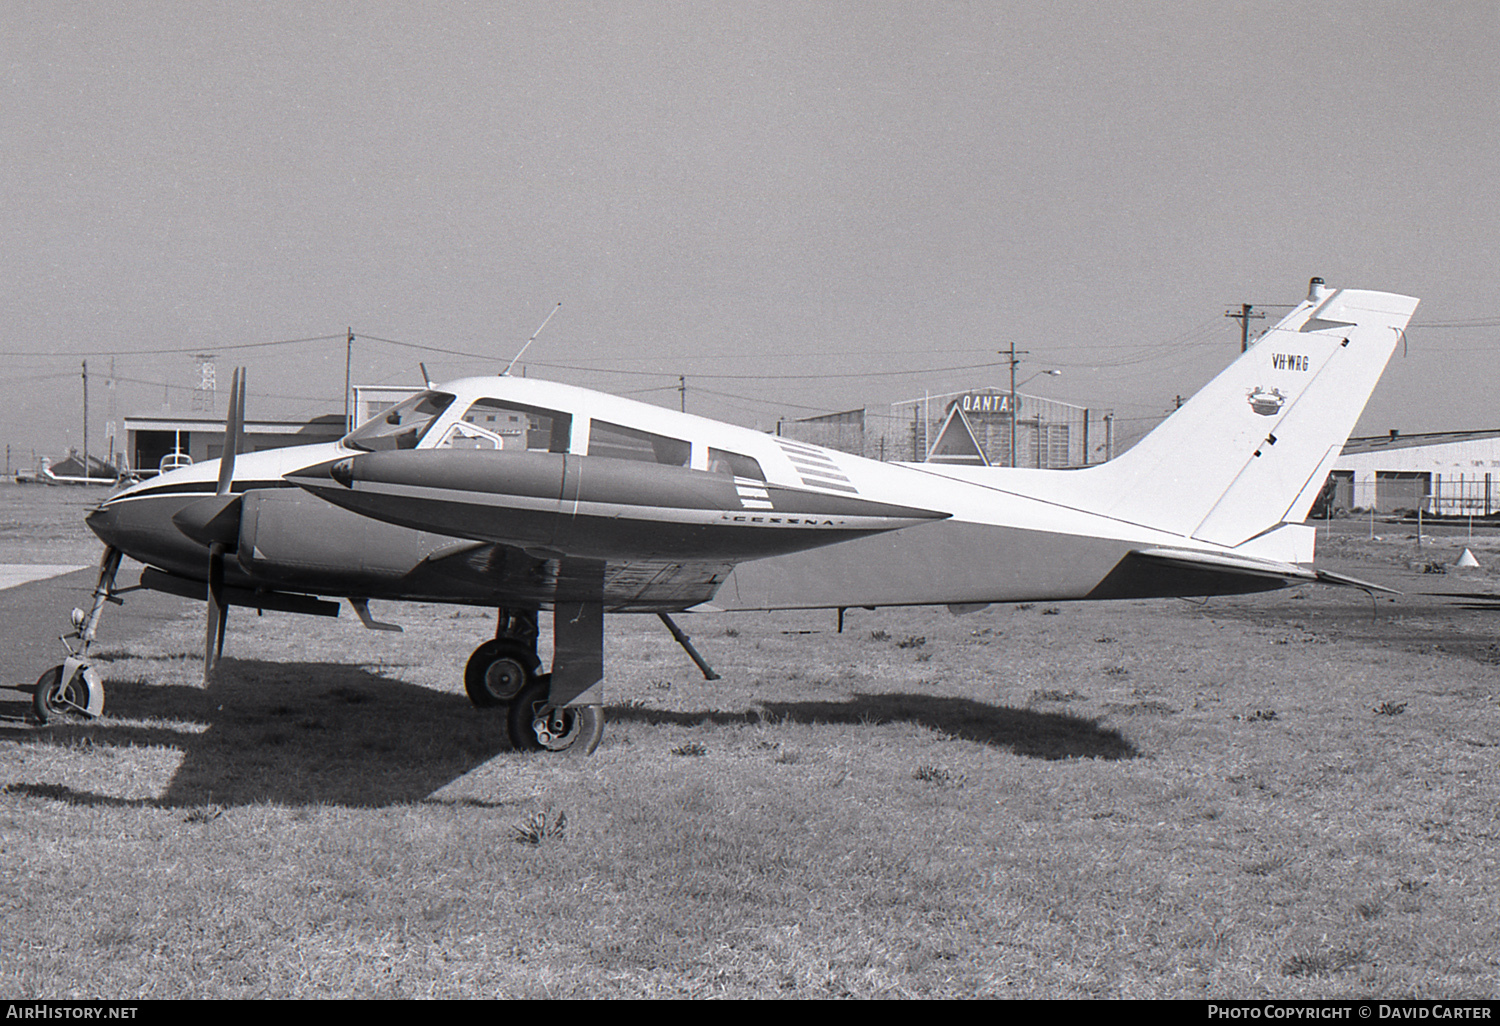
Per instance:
{"type": "Point", "coordinates": [798, 207]}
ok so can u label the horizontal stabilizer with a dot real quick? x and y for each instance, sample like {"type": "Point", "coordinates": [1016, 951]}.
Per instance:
{"type": "Point", "coordinates": [1247, 565]}
{"type": "Point", "coordinates": [1329, 577]}
{"type": "Point", "coordinates": [1250, 566]}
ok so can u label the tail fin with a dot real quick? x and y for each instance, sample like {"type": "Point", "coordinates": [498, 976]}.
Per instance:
{"type": "Point", "coordinates": [1251, 450]}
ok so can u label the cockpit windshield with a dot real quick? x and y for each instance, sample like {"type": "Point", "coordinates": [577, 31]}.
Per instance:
{"type": "Point", "coordinates": [402, 426]}
{"type": "Point", "coordinates": [502, 424]}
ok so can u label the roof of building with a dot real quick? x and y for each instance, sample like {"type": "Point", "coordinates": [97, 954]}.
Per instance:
{"type": "Point", "coordinates": [1396, 440]}
{"type": "Point", "coordinates": [71, 465]}
{"type": "Point", "coordinates": [321, 425]}
{"type": "Point", "coordinates": [1023, 399]}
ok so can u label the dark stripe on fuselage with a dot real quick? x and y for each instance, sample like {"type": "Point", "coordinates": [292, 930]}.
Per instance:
{"type": "Point", "coordinates": [727, 536]}
{"type": "Point", "coordinates": [197, 488]}
{"type": "Point", "coordinates": [595, 479]}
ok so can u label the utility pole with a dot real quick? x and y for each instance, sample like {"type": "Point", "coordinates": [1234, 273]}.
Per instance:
{"type": "Point", "coordinates": [348, 359]}
{"type": "Point", "coordinates": [1245, 317]}
{"type": "Point", "coordinates": [109, 425]}
{"type": "Point", "coordinates": [85, 420]}
{"type": "Point", "coordinates": [682, 390]}
{"type": "Point", "coordinates": [1015, 358]}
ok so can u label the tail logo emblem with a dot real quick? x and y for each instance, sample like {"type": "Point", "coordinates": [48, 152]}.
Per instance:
{"type": "Point", "coordinates": [1267, 404]}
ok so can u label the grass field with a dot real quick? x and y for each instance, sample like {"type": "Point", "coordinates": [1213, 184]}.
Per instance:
{"type": "Point", "coordinates": [1278, 796]}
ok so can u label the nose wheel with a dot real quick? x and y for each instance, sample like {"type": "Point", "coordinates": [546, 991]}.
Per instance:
{"type": "Point", "coordinates": [70, 690]}
{"type": "Point", "coordinates": [75, 687]}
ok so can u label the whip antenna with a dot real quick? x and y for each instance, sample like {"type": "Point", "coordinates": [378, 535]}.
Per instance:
{"type": "Point", "coordinates": [506, 372]}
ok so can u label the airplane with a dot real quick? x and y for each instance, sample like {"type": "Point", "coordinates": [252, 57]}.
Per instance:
{"type": "Point", "coordinates": [526, 495]}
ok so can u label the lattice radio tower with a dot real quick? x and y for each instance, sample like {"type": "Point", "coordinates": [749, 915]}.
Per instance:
{"type": "Point", "coordinates": [203, 395]}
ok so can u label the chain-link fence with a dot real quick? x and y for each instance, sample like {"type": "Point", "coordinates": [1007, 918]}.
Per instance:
{"type": "Point", "coordinates": [1398, 492]}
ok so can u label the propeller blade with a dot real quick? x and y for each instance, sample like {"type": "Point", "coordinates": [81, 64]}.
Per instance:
{"type": "Point", "coordinates": [217, 522]}
{"type": "Point", "coordinates": [234, 427]}
{"type": "Point", "coordinates": [213, 636]}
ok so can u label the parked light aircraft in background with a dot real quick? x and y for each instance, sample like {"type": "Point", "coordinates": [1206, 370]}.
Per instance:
{"type": "Point", "coordinates": [528, 495]}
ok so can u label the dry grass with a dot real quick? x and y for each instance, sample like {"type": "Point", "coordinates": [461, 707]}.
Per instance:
{"type": "Point", "coordinates": [1118, 800]}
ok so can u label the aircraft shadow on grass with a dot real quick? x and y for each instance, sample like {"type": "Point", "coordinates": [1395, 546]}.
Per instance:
{"type": "Point", "coordinates": [1026, 732]}
{"type": "Point", "coordinates": [327, 734]}
{"type": "Point", "coordinates": [1482, 600]}
{"type": "Point", "coordinates": [290, 734]}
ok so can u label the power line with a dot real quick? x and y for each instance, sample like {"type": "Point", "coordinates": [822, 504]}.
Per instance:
{"type": "Point", "coordinates": [170, 352]}
{"type": "Point", "coordinates": [1477, 322]}
{"type": "Point", "coordinates": [775, 404]}
{"type": "Point", "coordinates": [777, 377]}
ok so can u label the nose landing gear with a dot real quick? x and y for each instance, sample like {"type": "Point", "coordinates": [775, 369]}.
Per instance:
{"type": "Point", "coordinates": [72, 689]}
{"type": "Point", "coordinates": [75, 688]}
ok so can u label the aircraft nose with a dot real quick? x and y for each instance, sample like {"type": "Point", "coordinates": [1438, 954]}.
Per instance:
{"type": "Point", "coordinates": [103, 522]}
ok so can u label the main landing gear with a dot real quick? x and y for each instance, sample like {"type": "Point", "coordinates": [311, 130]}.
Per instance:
{"type": "Point", "coordinates": [551, 712]}
{"type": "Point", "coordinates": [74, 688]}
{"type": "Point", "coordinates": [501, 667]}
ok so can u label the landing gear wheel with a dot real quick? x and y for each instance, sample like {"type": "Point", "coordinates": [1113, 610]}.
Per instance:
{"type": "Point", "coordinates": [498, 671]}
{"type": "Point", "coordinates": [53, 697]}
{"type": "Point", "coordinates": [535, 726]}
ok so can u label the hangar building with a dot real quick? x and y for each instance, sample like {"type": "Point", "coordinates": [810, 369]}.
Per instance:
{"type": "Point", "coordinates": [973, 426]}
{"type": "Point", "coordinates": [156, 442]}
{"type": "Point", "coordinates": [1449, 473]}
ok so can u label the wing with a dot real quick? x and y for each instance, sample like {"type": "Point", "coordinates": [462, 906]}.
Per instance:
{"type": "Point", "coordinates": [513, 576]}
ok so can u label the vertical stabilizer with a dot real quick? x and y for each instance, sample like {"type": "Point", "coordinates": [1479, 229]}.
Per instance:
{"type": "Point", "coordinates": [1251, 449]}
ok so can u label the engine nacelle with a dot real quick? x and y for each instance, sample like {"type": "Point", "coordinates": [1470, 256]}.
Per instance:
{"type": "Point", "coordinates": [301, 542]}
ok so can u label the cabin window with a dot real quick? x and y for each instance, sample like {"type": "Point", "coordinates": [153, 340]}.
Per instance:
{"type": "Point", "coordinates": [402, 426]}
{"type": "Point", "coordinates": [625, 443]}
{"type": "Point", "coordinates": [498, 424]}
{"type": "Point", "coordinates": [722, 461]}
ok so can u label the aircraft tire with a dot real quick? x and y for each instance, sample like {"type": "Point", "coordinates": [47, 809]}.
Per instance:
{"type": "Point", "coordinates": [53, 698]}
{"type": "Point", "coordinates": [579, 727]}
{"type": "Point", "coordinates": [498, 671]}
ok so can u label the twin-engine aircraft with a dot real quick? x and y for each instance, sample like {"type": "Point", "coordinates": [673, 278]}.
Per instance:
{"type": "Point", "coordinates": [527, 495]}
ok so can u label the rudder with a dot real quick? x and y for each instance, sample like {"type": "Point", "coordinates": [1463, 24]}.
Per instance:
{"type": "Point", "coordinates": [1244, 454]}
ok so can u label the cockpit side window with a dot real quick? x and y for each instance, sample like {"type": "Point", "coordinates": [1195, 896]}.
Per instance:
{"type": "Point", "coordinates": [722, 461]}
{"type": "Point", "coordinates": [402, 426]}
{"type": "Point", "coordinates": [497, 424]}
{"type": "Point", "coordinates": [626, 443]}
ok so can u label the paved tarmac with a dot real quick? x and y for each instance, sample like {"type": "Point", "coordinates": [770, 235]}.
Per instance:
{"type": "Point", "coordinates": [35, 611]}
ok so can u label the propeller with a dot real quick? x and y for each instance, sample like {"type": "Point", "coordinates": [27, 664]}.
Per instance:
{"type": "Point", "coordinates": [217, 523]}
